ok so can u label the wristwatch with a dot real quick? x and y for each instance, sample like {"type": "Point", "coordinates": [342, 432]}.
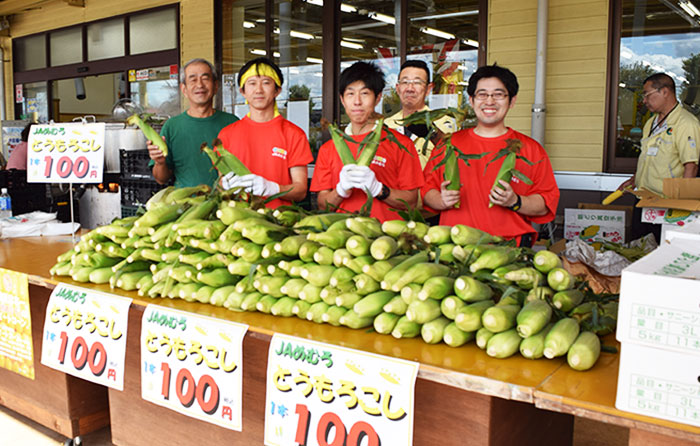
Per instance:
{"type": "Point", "coordinates": [517, 205]}
{"type": "Point", "coordinates": [384, 194]}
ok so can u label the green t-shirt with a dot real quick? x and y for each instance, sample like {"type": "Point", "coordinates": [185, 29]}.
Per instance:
{"type": "Point", "coordinates": [184, 136]}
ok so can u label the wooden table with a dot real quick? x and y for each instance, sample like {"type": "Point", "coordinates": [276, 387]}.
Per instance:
{"type": "Point", "coordinates": [462, 395]}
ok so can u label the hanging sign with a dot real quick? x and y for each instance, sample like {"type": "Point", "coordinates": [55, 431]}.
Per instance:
{"type": "Point", "coordinates": [320, 394]}
{"type": "Point", "coordinates": [193, 365]}
{"type": "Point", "coordinates": [16, 350]}
{"type": "Point", "coordinates": [85, 334]}
{"type": "Point", "coordinates": [66, 153]}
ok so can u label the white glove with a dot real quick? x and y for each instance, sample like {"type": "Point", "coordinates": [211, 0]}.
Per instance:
{"type": "Point", "coordinates": [362, 177]}
{"type": "Point", "coordinates": [257, 185]}
{"type": "Point", "coordinates": [344, 184]}
{"type": "Point", "coordinates": [229, 181]}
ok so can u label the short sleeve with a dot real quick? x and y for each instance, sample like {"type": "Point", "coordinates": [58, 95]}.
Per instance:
{"type": "Point", "coordinates": [300, 153]}
{"type": "Point", "coordinates": [411, 176]}
{"type": "Point", "coordinates": [322, 178]}
{"type": "Point", "coordinates": [687, 140]}
{"type": "Point", "coordinates": [545, 185]}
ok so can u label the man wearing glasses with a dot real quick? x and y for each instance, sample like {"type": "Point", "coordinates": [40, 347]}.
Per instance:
{"type": "Point", "coordinates": [515, 205]}
{"type": "Point", "coordinates": [669, 144]}
{"type": "Point", "coordinates": [413, 87]}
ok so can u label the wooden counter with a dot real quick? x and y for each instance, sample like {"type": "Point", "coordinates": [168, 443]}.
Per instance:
{"type": "Point", "coordinates": [461, 388]}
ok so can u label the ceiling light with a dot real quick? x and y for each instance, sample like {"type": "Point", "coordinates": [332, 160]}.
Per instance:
{"type": "Point", "coordinates": [347, 8]}
{"type": "Point", "coordinates": [314, 60]}
{"type": "Point", "coordinates": [437, 33]}
{"type": "Point", "coordinates": [471, 42]}
{"type": "Point", "coordinates": [248, 25]}
{"type": "Point", "coordinates": [275, 54]}
{"type": "Point", "coordinates": [446, 15]}
{"type": "Point", "coordinates": [378, 16]}
{"type": "Point", "coordinates": [354, 46]}
{"type": "Point", "coordinates": [258, 52]}
{"type": "Point", "coordinates": [689, 8]}
{"type": "Point", "coordinates": [622, 85]}
{"type": "Point", "coordinates": [315, 2]}
{"type": "Point", "coordinates": [693, 8]}
{"type": "Point", "coordinates": [301, 35]}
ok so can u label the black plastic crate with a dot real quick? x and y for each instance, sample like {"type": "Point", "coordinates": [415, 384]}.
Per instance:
{"type": "Point", "coordinates": [129, 211]}
{"type": "Point", "coordinates": [26, 197]}
{"type": "Point", "coordinates": [137, 192]}
{"type": "Point", "coordinates": [133, 164]}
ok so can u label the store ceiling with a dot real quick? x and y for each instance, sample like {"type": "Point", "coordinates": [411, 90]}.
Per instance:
{"type": "Point", "coordinates": [8, 7]}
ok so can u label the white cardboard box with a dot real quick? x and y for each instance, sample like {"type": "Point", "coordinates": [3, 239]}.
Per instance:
{"type": "Point", "coordinates": [660, 299]}
{"type": "Point", "coordinates": [592, 225]}
{"type": "Point", "coordinates": [690, 232]}
{"type": "Point", "coordinates": [668, 216]}
{"type": "Point", "coordinates": [659, 383]}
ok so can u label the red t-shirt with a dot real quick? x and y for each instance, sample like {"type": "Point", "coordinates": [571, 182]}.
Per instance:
{"type": "Point", "coordinates": [268, 149]}
{"type": "Point", "coordinates": [394, 167]}
{"type": "Point", "coordinates": [477, 184]}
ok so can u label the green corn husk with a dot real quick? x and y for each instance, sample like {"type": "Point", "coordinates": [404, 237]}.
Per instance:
{"type": "Point", "coordinates": [539, 293]}
{"type": "Point", "coordinates": [384, 323]}
{"type": "Point", "coordinates": [234, 300]}
{"type": "Point", "coordinates": [149, 133]}
{"type": "Point", "coordinates": [287, 218]}
{"type": "Point", "coordinates": [405, 328]}
{"type": "Point", "coordinates": [471, 290]}
{"type": "Point", "coordinates": [468, 253]}
{"type": "Point", "coordinates": [155, 290]}
{"type": "Point", "coordinates": [394, 228]}
{"type": "Point", "coordinates": [493, 258]}
{"type": "Point", "coordinates": [351, 319]}
{"type": "Point", "coordinates": [419, 273]}
{"type": "Point", "coordinates": [567, 300]}
{"type": "Point", "coordinates": [319, 275]}
{"type": "Point", "coordinates": [416, 228]}
{"type": "Point", "coordinates": [383, 247]}
{"type": "Point", "coordinates": [159, 215]}
{"type": "Point", "coordinates": [372, 304]}
{"type": "Point", "coordinates": [341, 257]}
{"type": "Point", "coordinates": [192, 258]}
{"type": "Point", "coordinates": [188, 291]}
{"type": "Point", "coordinates": [264, 305]}
{"type": "Point", "coordinates": [300, 308]}
{"type": "Point", "coordinates": [245, 285]}
{"type": "Point", "coordinates": [465, 235]}
{"type": "Point", "coordinates": [364, 284]}
{"type": "Point", "coordinates": [333, 239]}
{"type": "Point", "coordinates": [532, 347]}
{"type": "Point", "coordinates": [239, 267]}
{"type": "Point", "coordinates": [545, 261]}
{"type": "Point", "coordinates": [584, 352]}
{"type": "Point", "coordinates": [410, 292]}
{"type": "Point", "coordinates": [129, 281]}
{"type": "Point", "coordinates": [482, 337]}
{"type": "Point", "coordinates": [204, 293]}
{"type": "Point", "coordinates": [560, 279]}
{"type": "Point", "coordinates": [341, 275]}
{"type": "Point", "coordinates": [432, 332]}
{"type": "Point", "coordinates": [423, 311]}
{"type": "Point", "coordinates": [310, 293]}
{"type": "Point", "coordinates": [250, 301]}
{"type": "Point", "coordinates": [500, 273]}
{"type": "Point", "coordinates": [396, 272]}
{"type": "Point", "coordinates": [249, 251]}
{"type": "Point", "coordinates": [446, 253]}
{"type": "Point", "coordinates": [533, 317]}
{"type": "Point", "coordinates": [271, 285]}
{"type": "Point", "coordinates": [561, 337]}
{"type": "Point", "coordinates": [503, 344]}
{"type": "Point", "coordinates": [81, 273]}
{"type": "Point", "coordinates": [380, 268]}
{"type": "Point", "coordinates": [262, 234]}
{"type": "Point", "coordinates": [365, 226]}
{"type": "Point", "coordinates": [229, 215]}
{"type": "Point", "coordinates": [269, 250]}
{"type": "Point", "coordinates": [454, 337]}
{"type": "Point", "coordinates": [230, 234]}
{"type": "Point", "coordinates": [217, 277]}
{"type": "Point", "coordinates": [358, 245]}
{"type": "Point", "coordinates": [324, 256]}
{"type": "Point", "coordinates": [316, 312]}
{"type": "Point", "coordinates": [450, 306]}
{"type": "Point", "coordinates": [358, 263]}
{"type": "Point", "coordinates": [438, 235]}
{"type": "Point", "coordinates": [396, 306]}
{"type": "Point", "coordinates": [329, 293]}
{"type": "Point", "coordinates": [289, 246]}
{"type": "Point", "coordinates": [436, 288]}
{"type": "Point", "coordinates": [347, 300]}
{"type": "Point", "coordinates": [293, 287]}
{"type": "Point", "coordinates": [225, 161]}
{"type": "Point", "coordinates": [500, 318]}
{"type": "Point", "coordinates": [61, 268]}
{"type": "Point", "coordinates": [333, 314]}
{"type": "Point", "coordinates": [468, 317]}
{"type": "Point", "coordinates": [526, 278]}
{"type": "Point", "coordinates": [100, 275]}
{"type": "Point", "coordinates": [319, 222]}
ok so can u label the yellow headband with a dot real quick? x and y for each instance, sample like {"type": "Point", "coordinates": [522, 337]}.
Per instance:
{"type": "Point", "coordinates": [260, 70]}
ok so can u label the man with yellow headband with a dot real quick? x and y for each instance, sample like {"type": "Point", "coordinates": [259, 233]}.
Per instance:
{"type": "Point", "coordinates": [273, 148]}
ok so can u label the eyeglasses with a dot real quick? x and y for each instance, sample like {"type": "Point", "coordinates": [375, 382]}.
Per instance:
{"type": "Point", "coordinates": [414, 82]}
{"type": "Point", "coordinates": [649, 93]}
{"type": "Point", "coordinates": [496, 95]}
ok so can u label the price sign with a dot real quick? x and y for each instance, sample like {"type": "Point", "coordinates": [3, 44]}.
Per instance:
{"type": "Point", "coordinates": [85, 334]}
{"type": "Point", "coordinates": [66, 153]}
{"type": "Point", "coordinates": [16, 351]}
{"type": "Point", "coordinates": [193, 365]}
{"type": "Point", "coordinates": [319, 394]}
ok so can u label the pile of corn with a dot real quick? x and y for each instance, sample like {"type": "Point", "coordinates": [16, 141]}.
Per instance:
{"type": "Point", "coordinates": [445, 284]}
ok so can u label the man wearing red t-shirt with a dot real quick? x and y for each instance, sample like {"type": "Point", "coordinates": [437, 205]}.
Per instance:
{"type": "Point", "coordinates": [492, 92]}
{"type": "Point", "coordinates": [395, 175]}
{"type": "Point", "coordinates": [271, 147]}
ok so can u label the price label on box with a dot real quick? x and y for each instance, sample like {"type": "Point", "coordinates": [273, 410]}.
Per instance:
{"type": "Point", "coordinates": [85, 334]}
{"type": "Point", "coordinates": [66, 153]}
{"type": "Point", "coordinates": [323, 394]}
{"type": "Point", "coordinates": [193, 365]}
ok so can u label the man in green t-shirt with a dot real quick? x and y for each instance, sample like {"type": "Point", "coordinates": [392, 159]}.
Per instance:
{"type": "Point", "coordinates": [186, 132]}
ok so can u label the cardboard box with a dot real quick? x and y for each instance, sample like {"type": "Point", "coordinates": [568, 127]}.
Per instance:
{"type": "Point", "coordinates": [660, 299]}
{"type": "Point", "coordinates": [659, 383]}
{"type": "Point", "coordinates": [593, 225]}
{"type": "Point", "coordinates": [688, 232]}
{"type": "Point", "coordinates": [679, 193]}
{"type": "Point", "coordinates": [664, 216]}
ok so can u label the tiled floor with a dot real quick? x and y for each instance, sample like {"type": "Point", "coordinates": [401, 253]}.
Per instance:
{"type": "Point", "coordinates": [20, 431]}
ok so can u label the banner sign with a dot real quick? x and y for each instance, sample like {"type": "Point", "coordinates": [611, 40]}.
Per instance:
{"type": "Point", "coordinates": [16, 349]}
{"type": "Point", "coordinates": [85, 334]}
{"type": "Point", "coordinates": [193, 365]}
{"type": "Point", "coordinates": [66, 153]}
{"type": "Point", "coordinates": [320, 394]}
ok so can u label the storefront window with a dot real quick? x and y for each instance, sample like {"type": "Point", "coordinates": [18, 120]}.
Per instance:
{"type": "Point", "coordinates": [656, 36]}
{"type": "Point", "coordinates": [243, 31]}
{"type": "Point", "coordinates": [155, 92]}
{"type": "Point", "coordinates": [105, 39]}
{"type": "Point", "coordinates": [66, 46]}
{"type": "Point", "coordinates": [30, 53]}
{"type": "Point", "coordinates": [143, 27]}
{"type": "Point", "coordinates": [35, 104]}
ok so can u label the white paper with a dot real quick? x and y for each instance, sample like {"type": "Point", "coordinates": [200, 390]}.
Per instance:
{"type": "Point", "coordinates": [85, 334]}
{"type": "Point", "coordinates": [298, 113]}
{"type": "Point", "coordinates": [312, 386]}
{"type": "Point", "coordinates": [193, 365]}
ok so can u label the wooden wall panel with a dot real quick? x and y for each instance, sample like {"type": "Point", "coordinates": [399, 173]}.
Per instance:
{"type": "Point", "coordinates": [576, 73]}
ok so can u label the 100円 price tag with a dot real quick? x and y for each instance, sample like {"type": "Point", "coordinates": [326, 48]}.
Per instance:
{"type": "Point", "coordinates": [193, 365]}
{"type": "Point", "coordinates": [320, 394]}
{"type": "Point", "coordinates": [85, 334]}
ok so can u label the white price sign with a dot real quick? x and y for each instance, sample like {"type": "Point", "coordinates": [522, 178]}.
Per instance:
{"type": "Point", "coordinates": [66, 153]}
{"type": "Point", "coordinates": [193, 365]}
{"type": "Point", "coordinates": [320, 394]}
{"type": "Point", "coordinates": [85, 334]}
